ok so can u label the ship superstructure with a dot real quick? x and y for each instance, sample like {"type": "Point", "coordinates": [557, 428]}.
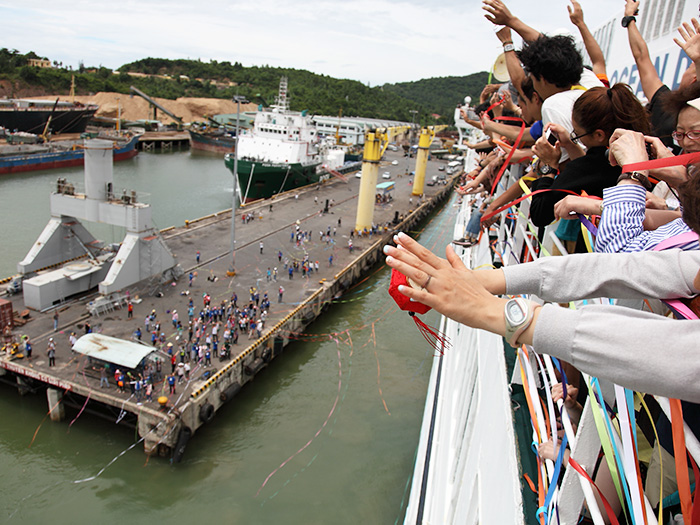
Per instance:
{"type": "Point", "coordinates": [280, 152]}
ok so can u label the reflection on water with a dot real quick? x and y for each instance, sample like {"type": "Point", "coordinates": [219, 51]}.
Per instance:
{"type": "Point", "coordinates": [180, 186]}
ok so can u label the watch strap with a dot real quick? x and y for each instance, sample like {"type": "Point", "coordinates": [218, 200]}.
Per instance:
{"type": "Point", "coordinates": [636, 176]}
{"type": "Point", "coordinates": [508, 47]}
{"type": "Point", "coordinates": [627, 19]}
{"type": "Point", "coordinates": [514, 332]}
{"type": "Point", "coordinates": [546, 169]}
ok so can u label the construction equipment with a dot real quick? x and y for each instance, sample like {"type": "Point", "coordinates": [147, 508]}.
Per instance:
{"type": "Point", "coordinates": [338, 138]}
{"type": "Point", "coordinates": [45, 135]}
{"type": "Point", "coordinates": [155, 105]}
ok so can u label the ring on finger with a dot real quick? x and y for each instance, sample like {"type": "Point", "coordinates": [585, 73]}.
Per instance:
{"type": "Point", "coordinates": [427, 282]}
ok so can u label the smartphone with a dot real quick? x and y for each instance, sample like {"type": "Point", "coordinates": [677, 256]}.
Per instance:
{"type": "Point", "coordinates": [551, 137]}
{"type": "Point", "coordinates": [650, 152]}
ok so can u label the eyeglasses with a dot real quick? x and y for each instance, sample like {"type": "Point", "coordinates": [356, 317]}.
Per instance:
{"type": "Point", "coordinates": [692, 135]}
{"type": "Point", "coordinates": [575, 138]}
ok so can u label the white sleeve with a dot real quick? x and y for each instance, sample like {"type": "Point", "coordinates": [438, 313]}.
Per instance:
{"type": "Point", "coordinates": [638, 350]}
{"type": "Point", "coordinates": [660, 275]}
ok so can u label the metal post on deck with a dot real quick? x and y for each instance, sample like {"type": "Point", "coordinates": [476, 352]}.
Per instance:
{"type": "Point", "coordinates": [426, 138]}
{"type": "Point", "coordinates": [237, 99]}
{"type": "Point", "coordinates": [368, 182]}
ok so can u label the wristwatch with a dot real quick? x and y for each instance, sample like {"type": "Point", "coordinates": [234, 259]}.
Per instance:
{"type": "Point", "coordinates": [546, 169]}
{"type": "Point", "coordinates": [626, 20]}
{"type": "Point", "coordinates": [639, 177]}
{"type": "Point", "coordinates": [508, 47]}
{"type": "Point", "coordinates": [518, 314]}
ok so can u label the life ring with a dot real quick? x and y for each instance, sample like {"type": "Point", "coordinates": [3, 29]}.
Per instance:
{"type": "Point", "coordinates": [206, 413]}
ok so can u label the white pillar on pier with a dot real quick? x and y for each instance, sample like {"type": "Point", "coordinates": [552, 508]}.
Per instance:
{"type": "Point", "coordinates": [57, 411]}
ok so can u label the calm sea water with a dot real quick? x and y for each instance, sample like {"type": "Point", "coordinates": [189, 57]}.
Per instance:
{"type": "Point", "coordinates": [179, 186]}
{"type": "Point", "coordinates": [345, 404]}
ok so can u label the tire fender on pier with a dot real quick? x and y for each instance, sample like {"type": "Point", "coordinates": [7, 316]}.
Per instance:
{"type": "Point", "coordinates": [206, 413]}
{"type": "Point", "coordinates": [230, 392]}
{"type": "Point", "coordinates": [254, 367]}
{"type": "Point", "coordinates": [182, 440]}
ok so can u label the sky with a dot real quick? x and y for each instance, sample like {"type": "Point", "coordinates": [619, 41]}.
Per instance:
{"type": "Point", "coordinates": [373, 41]}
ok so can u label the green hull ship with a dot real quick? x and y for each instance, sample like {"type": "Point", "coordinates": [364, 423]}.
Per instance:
{"type": "Point", "coordinates": [279, 154]}
{"type": "Point", "coordinates": [262, 180]}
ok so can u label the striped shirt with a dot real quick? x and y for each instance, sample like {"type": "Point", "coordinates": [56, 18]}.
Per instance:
{"type": "Point", "coordinates": [621, 226]}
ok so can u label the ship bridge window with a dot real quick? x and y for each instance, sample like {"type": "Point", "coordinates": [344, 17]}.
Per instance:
{"type": "Point", "coordinates": [659, 17]}
{"type": "Point", "coordinates": [604, 36]}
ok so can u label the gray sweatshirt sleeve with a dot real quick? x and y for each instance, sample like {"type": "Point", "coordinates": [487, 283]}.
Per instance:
{"type": "Point", "coordinates": [637, 350]}
{"type": "Point", "coordinates": [661, 275]}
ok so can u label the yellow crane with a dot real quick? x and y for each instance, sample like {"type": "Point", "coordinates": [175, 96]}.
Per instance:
{"type": "Point", "coordinates": [427, 135]}
{"type": "Point", "coordinates": [376, 142]}
{"type": "Point", "coordinates": [338, 138]}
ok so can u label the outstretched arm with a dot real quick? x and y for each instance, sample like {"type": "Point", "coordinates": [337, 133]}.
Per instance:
{"type": "Point", "coordinates": [500, 15]}
{"type": "Point", "coordinates": [691, 40]}
{"type": "Point", "coordinates": [592, 47]}
{"type": "Point", "coordinates": [515, 70]}
{"type": "Point", "coordinates": [616, 343]}
{"type": "Point", "coordinates": [647, 72]}
{"type": "Point", "coordinates": [510, 132]}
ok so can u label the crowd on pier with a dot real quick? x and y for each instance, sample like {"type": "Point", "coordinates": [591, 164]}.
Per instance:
{"type": "Point", "coordinates": [588, 152]}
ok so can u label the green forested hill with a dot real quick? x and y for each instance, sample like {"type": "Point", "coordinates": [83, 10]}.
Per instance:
{"type": "Point", "coordinates": [441, 94]}
{"type": "Point", "coordinates": [319, 94]}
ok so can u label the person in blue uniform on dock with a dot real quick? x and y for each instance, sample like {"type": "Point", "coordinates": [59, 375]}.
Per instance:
{"type": "Point", "coordinates": [27, 347]}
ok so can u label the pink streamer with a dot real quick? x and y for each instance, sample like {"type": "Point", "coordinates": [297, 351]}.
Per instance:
{"type": "Point", "coordinates": [335, 404]}
{"type": "Point", "coordinates": [84, 404]}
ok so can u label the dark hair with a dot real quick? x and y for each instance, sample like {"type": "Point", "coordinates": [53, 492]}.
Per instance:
{"type": "Point", "coordinates": [554, 59]}
{"type": "Point", "coordinates": [481, 108]}
{"type": "Point", "coordinates": [676, 101]}
{"type": "Point", "coordinates": [689, 195]}
{"type": "Point", "coordinates": [610, 108]}
{"type": "Point", "coordinates": [528, 88]}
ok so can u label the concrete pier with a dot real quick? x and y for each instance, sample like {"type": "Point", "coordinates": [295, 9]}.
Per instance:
{"type": "Point", "coordinates": [57, 412]}
{"type": "Point", "coordinates": [165, 430]}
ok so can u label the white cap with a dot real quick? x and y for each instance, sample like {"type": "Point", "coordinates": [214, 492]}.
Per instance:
{"type": "Point", "coordinates": [695, 103]}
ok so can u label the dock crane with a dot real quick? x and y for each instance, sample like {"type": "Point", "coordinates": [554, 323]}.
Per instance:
{"type": "Point", "coordinates": [155, 105]}
{"type": "Point", "coordinates": [338, 138]}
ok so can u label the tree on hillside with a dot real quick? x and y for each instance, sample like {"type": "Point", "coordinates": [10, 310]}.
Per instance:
{"type": "Point", "coordinates": [320, 94]}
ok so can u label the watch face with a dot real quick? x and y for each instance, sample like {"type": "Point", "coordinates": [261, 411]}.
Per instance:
{"type": "Point", "coordinates": [515, 313]}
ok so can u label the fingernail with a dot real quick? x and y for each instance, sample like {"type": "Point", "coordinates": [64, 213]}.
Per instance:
{"type": "Point", "coordinates": [402, 235]}
{"type": "Point", "coordinates": [403, 288]}
{"type": "Point", "coordinates": [387, 249]}
{"type": "Point", "coordinates": [389, 259]}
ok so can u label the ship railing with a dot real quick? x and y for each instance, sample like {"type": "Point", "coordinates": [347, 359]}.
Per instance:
{"type": "Point", "coordinates": [517, 242]}
{"type": "Point", "coordinates": [62, 186]}
{"type": "Point", "coordinates": [464, 439]}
